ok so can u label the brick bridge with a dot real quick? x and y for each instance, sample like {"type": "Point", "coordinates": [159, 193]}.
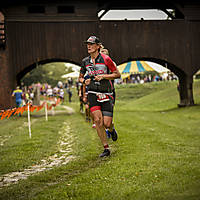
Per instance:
{"type": "Point", "coordinates": [55, 30]}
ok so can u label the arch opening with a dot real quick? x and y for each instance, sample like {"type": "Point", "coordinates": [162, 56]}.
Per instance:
{"type": "Point", "coordinates": [54, 65]}
{"type": "Point", "coordinates": [47, 78]}
{"type": "Point", "coordinates": [162, 67]}
{"type": "Point", "coordinates": [197, 74]}
{"type": "Point", "coordinates": [140, 14]}
{"type": "Point", "coordinates": [185, 82]}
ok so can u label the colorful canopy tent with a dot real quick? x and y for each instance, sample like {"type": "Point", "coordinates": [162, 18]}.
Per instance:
{"type": "Point", "coordinates": [139, 67]}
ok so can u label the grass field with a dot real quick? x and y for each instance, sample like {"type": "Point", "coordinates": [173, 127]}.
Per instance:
{"type": "Point", "coordinates": [157, 155]}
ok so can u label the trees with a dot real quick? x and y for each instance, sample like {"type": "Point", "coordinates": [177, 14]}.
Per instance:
{"type": "Point", "coordinates": [48, 73]}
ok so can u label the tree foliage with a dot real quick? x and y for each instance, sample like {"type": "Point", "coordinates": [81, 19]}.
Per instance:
{"type": "Point", "coordinates": [48, 73]}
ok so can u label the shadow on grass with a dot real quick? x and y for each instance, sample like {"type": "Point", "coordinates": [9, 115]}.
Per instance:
{"type": "Point", "coordinates": [61, 113]}
{"type": "Point", "coordinates": [164, 110]}
{"type": "Point", "coordinates": [180, 108]}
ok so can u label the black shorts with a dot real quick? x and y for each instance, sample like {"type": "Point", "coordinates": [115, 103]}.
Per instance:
{"type": "Point", "coordinates": [105, 107]}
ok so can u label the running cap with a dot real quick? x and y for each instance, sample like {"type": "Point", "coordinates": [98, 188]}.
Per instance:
{"type": "Point", "coordinates": [93, 40]}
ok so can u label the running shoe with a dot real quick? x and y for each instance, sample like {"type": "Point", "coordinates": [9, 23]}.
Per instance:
{"type": "Point", "coordinates": [113, 134]}
{"type": "Point", "coordinates": [106, 152]}
{"type": "Point", "coordinates": [108, 133]}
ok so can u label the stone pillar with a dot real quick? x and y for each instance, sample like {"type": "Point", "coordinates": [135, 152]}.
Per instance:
{"type": "Point", "coordinates": [7, 82]}
{"type": "Point", "coordinates": [186, 91]}
{"type": "Point", "coordinates": [190, 101]}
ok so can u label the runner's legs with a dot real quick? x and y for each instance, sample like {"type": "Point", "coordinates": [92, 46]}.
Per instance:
{"type": "Point", "coordinates": [98, 120]}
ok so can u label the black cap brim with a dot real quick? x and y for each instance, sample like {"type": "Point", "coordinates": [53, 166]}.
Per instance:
{"type": "Point", "coordinates": [86, 42]}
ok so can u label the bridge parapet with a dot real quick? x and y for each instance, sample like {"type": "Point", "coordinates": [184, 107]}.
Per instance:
{"type": "Point", "coordinates": [46, 31]}
{"type": "Point", "coordinates": [2, 36]}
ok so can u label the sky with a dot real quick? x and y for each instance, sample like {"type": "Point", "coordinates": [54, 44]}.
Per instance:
{"type": "Point", "coordinates": [151, 14]}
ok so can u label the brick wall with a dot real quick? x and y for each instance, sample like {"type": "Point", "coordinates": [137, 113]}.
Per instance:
{"type": "Point", "coordinates": [6, 82]}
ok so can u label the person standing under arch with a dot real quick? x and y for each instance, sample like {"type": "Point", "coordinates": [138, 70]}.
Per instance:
{"type": "Point", "coordinates": [101, 70]}
{"type": "Point", "coordinates": [18, 94]}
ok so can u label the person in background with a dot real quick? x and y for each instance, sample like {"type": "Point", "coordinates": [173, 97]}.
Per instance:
{"type": "Point", "coordinates": [77, 86]}
{"type": "Point", "coordinates": [49, 91]}
{"type": "Point", "coordinates": [18, 97]}
{"type": "Point", "coordinates": [70, 82]}
{"type": "Point", "coordinates": [69, 94]}
{"type": "Point", "coordinates": [60, 84]}
{"type": "Point", "coordinates": [81, 95]}
{"type": "Point", "coordinates": [31, 95]}
{"type": "Point", "coordinates": [55, 91]}
{"type": "Point", "coordinates": [27, 96]}
{"type": "Point", "coordinates": [109, 130]}
{"type": "Point", "coordinates": [61, 94]}
{"type": "Point", "coordinates": [88, 114]}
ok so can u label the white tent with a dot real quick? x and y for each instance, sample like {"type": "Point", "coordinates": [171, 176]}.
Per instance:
{"type": "Point", "coordinates": [157, 67]}
{"type": "Point", "coordinates": [73, 66]}
{"type": "Point", "coordinates": [71, 75]}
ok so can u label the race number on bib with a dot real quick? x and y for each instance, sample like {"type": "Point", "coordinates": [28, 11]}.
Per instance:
{"type": "Point", "coordinates": [102, 97]}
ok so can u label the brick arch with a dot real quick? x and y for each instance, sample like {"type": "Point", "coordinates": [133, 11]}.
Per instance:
{"type": "Point", "coordinates": [185, 81]}
{"type": "Point", "coordinates": [30, 42]}
{"type": "Point", "coordinates": [32, 66]}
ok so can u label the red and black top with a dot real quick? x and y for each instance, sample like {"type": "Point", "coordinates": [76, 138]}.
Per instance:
{"type": "Point", "coordinates": [104, 65]}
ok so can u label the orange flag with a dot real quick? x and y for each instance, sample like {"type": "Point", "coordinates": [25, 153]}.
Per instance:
{"type": "Point", "coordinates": [5, 114]}
{"type": "Point", "coordinates": [1, 113]}
{"type": "Point", "coordinates": [10, 113]}
{"type": "Point", "coordinates": [18, 110]}
{"type": "Point", "coordinates": [58, 101]}
{"type": "Point", "coordinates": [40, 107]}
{"type": "Point", "coordinates": [23, 109]}
{"type": "Point", "coordinates": [49, 107]}
{"type": "Point", "coordinates": [32, 108]}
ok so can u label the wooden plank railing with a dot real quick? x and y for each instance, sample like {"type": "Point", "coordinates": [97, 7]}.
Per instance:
{"type": "Point", "coordinates": [2, 35]}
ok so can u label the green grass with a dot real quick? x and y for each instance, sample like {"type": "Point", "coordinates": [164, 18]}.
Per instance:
{"type": "Point", "coordinates": [157, 155]}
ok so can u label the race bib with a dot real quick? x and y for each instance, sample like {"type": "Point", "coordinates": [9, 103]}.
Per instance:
{"type": "Point", "coordinates": [102, 97]}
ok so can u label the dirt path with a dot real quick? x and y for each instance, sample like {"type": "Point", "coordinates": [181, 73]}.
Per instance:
{"type": "Point", "coordinates": [63, 156]}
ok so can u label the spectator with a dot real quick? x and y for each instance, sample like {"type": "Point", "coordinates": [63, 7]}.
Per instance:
{"type": "Point", "coordinates": [69, 94]}
{"type": "Point", "coordinates": [61, 94]}
{"type": "Point", "coordinates": [18, 97]}
{"type": "Point", "coordinates": [49, 91]}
